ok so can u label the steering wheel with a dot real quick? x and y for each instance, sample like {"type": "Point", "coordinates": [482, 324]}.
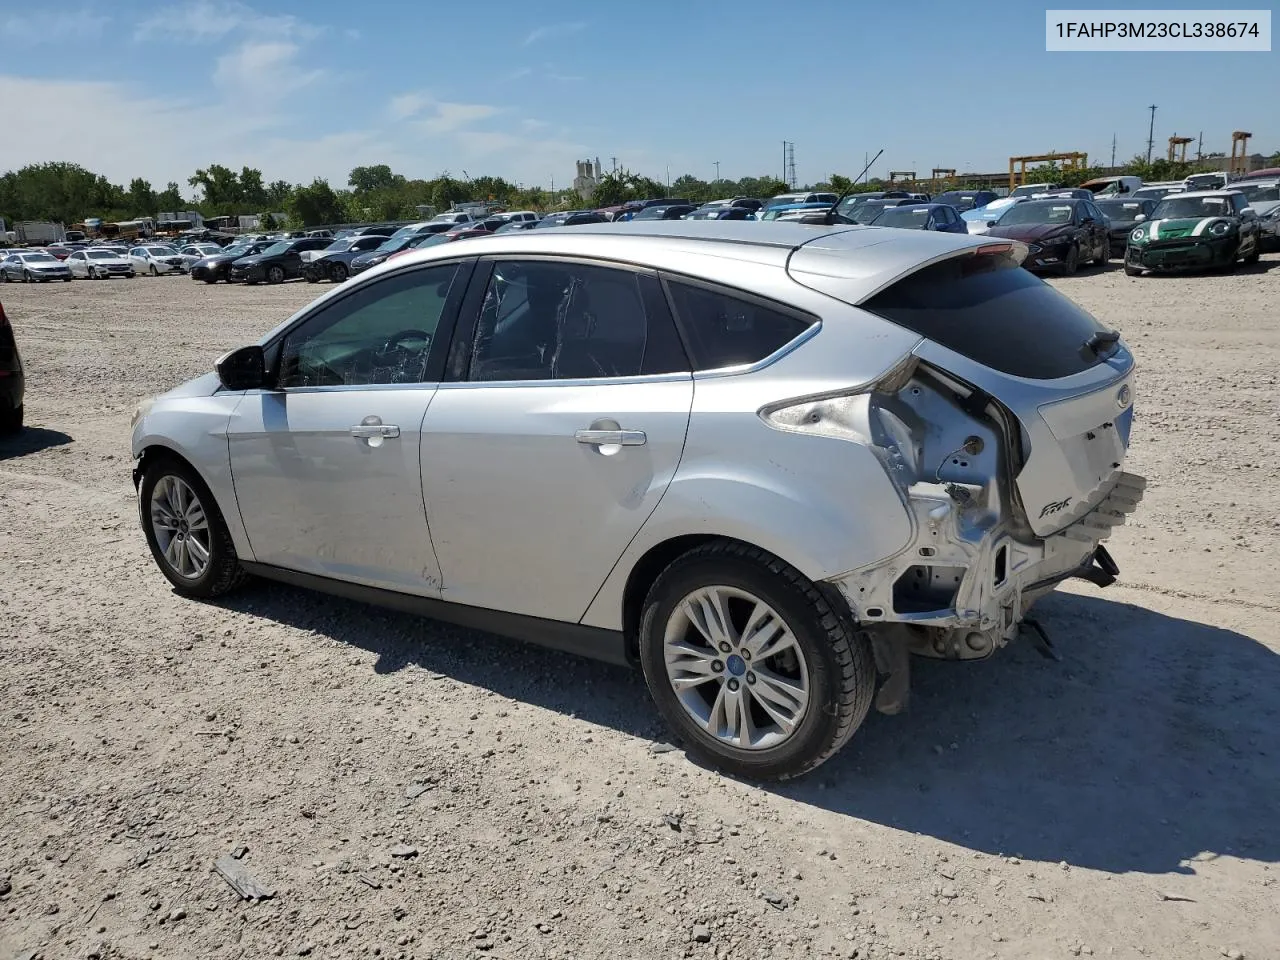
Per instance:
{"type": "Point", "coordinates": [395, 344]}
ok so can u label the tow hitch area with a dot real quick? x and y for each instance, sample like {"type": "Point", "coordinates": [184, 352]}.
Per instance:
{"type": "Point", "coordinates": [1101, 570]}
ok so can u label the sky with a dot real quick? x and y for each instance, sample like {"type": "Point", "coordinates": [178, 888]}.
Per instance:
{"type": "Point", "coordinates": [522, 90]}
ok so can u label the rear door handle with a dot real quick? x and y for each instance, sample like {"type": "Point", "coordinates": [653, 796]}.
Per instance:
{"type": "Point", "coordinates": [366, 431]}
{"type": "Point", "coordinates": [603, 438]}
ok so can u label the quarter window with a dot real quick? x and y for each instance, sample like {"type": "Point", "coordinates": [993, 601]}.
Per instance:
{"type": "Point", "coordinates": [543, 320]}
{"type": "Point", "coordinates": [380, 334]}
{"type": "Point", "coordinates": [727, 331]}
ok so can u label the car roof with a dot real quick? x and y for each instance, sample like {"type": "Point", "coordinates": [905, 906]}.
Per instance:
{"type": "Point", "coordinates": [851, 262]}
{"type": "Point", "coordinates": [1196, 194]}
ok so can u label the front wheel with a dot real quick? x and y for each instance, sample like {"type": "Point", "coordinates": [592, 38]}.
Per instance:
{"type": "Point", "coordinates": [1071, 262]}
{"type": "Point", "coordinates": [338, 272]}
{"type": "Point", "coordinates": [275, 274]}
{"type": "Point", "coordinates": [750, 664]}
{"type": "Point", "coordinates": [153, 271]}
{"type": "Point", "coordinates": [26, 276]}
{"type": "Point", "coordinates": [1255, 254]}
{"type": "Point", "coordinates": [185, 530]}
{"type": "Point", "coordinates": [11, 420]}
{"type": "Point", "coordinates": [1104, 252]}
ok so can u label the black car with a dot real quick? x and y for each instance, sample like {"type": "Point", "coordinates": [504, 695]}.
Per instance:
{"type": "Point", "coordinates": [721, 213]}
{"type": "Point", "coordinates": [218, 267]}
{"type": "Point", "coordinates": [1060, 234]}
{"type": "Point", "coordinates": [12, 382]}
{"type": "Point", "coordinates": [668, 212]}
{"type": "Point", "coordinates": [276, 264]}
{"type": "Point", "coordinates": [392, 245]}
{"type": "Point", "coordinates": [868, 210]}
{"type": "Point", "coordinates": [1125, 214]}
{"type": "Point", "coordinates": [334, 261]}
{"type": "Point", "coordinates": [964, 200]}
{"type": "Point", "coordinates": [571, 218]}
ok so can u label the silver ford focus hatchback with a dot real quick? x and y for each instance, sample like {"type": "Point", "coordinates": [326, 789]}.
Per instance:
{"type": "Point", "coordinates": [765, 463]}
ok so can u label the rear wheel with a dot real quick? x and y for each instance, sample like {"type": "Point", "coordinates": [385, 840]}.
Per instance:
{"type": "Point", "coordinates": [750, 664]}
{"type": "Point", "coordinates": [185, 530]}
{"type": "Point", "coordinates": [153, 271]}
{"type": "Point", "coordinates": [338, 272]}
{"type": "Point", "coordinates": [275, 274]}
{"type": "Point", "coordinates": [1104, 252]}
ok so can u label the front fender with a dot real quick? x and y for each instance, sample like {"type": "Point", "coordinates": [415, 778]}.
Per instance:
{"type": "Point", "coordinates": [195, 429]}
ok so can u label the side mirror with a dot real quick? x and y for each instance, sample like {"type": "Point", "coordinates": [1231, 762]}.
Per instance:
{"type": "Point", "coordinates": [992, 223]}
{"type": "Point", "coordinates": [243, 369]}
{"type": "Point", "coordinates": [1139, 218]}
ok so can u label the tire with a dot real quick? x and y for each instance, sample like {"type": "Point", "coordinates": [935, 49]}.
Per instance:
{"type": "Point", "coordinates": [339, 272]}
{"type": "Point", "coordinates": [1130, 270]}
{"type": "Point", "coordinates": [275, 274]}
{"type": "Point", "coordinates": [210, 279]}
{"type": "Point", "coordinates": [66, 279]}
{"type": "Point", "coordinates": [1071, 263]}
{"type": "Point", "coordinates": [93, 274]}
{"type": "Point", "coordinates": [26, 276]}
{"type": "Point", "coordinates": [222, 571]}
{"type": "Point", "coordinates": [1104, 253]}
{"type": "Point", "coordinates": [834, 659]}
{"type": "Point", "coordinates": [152, 271]}
{"type": "Point", "coordinates": [11, 420]}
{"type": "Point", "coordinates": [1257, 252]}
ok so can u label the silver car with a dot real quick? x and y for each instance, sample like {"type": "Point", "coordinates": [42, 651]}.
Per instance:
{"type": "Point", "coordinates": [33, 267]}
{"type": "Point", "coordinates": [98, 264]}
{"type": "Point", "coordinates": [762, 462]}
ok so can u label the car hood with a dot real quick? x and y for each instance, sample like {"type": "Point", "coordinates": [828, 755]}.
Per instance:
{"type": "Point", "coordinates": [1118, 226]}
{"type": "Point", "coordinates": [370, 257]}
{"type": "Point", "coordinates": [1183, 227]}
{"type": "Point", "coordinates": [254, 260]}
{"type": "Point", "coordinates": [109, 262]}
{"type": "Point", "coordinates": [1034, 232]}
{"type": "Point", "coordinates": [205, 385]}
{"type": "Point", "coordinates": [44, 264]}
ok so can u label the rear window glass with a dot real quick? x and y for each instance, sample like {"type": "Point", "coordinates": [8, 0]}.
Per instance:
{"type": "Point", "coordinates": [991, 310]}
{"type": "Point", "coordinates": [726, 331]}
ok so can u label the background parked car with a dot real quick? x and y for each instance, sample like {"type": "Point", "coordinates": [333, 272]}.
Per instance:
{"type": "Point", "coordinates": [517, 225]}
{"type": "Point", "coordinates": [155, 259]}
{"type": "Point", "coordinates": [1158, 191]}
{"type": "Point", "coordinates": [1264, 199]}
{"type": "Point", "coordinates": [940, 217]}
{"type": "Point", "coordinates": [866, 213]}
{"type": "Point", "coordinates": [279, 262]}
{"type": "Point", "coordinates": [1029, 189]}
{"type": "Point", "coordinates": [982, 219]}
{"type": "Point", "coordinates": [334, 261]}
{"type": "Point", "coordinates": [963, 200]}
{"type": "Point", "coordinates": [791, 211]}
{"type": "Point", "coordinates": [12, 379]}
{"type": "Point", "coordinates": [58, 250]}
{"type": "Point", "coordinates": [218, 267]}
{"type": "Point", "coordinates": [709, 212]}
{"type": "Point", "coordinates": [198, 251]}
{"type": "Point", "coordinates": [1196, 230]}
{"type": "Point", "coordinates": [34, 266]}
{"type": "Point", "coordinates": [673, 212]}
{"type": "Point", "coordinates": [99, 264]}
{"type": "Point", "coordinates": [786, 199]}
{"type": "Point", "coordinates": [570, 218]}
{"type": "Point", "coordinates": [1124, 214]}
{"type": "Point", "coordinates": [393, 245]}
{"type": "Point", "coordinates": [1060, 234]}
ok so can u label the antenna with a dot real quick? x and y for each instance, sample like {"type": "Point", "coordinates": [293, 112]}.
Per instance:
{"type": "Point", "coordinates": [1151, 131]}
{"type": "Point", "coordinates": [831, 216]}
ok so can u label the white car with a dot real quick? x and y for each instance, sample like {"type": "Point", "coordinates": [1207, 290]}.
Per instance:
{"type": "Point", "coordinates": [99, 264]}
{"type": "Point", "coordinates": [978, 221]}
{"type": "Point", "coordinates": [155, 259]}
{"type": "Point", "coordinates": [198, 251]}
{"type": "Point", "coordinates": [454, 216]}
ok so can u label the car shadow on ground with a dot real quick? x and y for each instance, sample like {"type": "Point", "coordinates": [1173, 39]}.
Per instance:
{"type": "Point", "coordinates": [1151, 742]}
{"type": "Point", "coordinates": [31, 440]}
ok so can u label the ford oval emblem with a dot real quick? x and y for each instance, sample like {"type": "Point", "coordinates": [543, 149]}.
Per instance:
{"type": "Point", "coordinates": [1124, 396]}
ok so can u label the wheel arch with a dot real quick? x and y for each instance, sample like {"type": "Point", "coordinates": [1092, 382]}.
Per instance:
{"type": "Point", "coordinates": [219, 486]}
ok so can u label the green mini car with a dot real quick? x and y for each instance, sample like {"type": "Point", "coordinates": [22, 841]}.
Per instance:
{"type": "Point", "coordinates": [1204, 230]}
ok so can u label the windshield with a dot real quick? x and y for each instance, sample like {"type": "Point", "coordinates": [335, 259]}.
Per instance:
{"type": "Point", "coordinates": [102, 254]}
{"type": "Point", "coordinates": [1254, 192]}
{"type": "Point", "coordinates": [1176, 208]}
{"type": "Point", "coordinates": [713, 213]}
{"type": "Point", "coordinates": [406, 231]}
{"type": "Point", "coordinates": [551, 221]}
{"type": "Point", "coordinates": [395, 242]}
{"type": "Point", "coordinates": [911, 218]}
{"type": "Point", "coordinates": [339, 245]}
{"type": "Point", "coordinates": [277, 248]}
{"type": "Point", "coordinates": [785, 198]}
{"type": "Point", "coordinates": [1037, 211]}
{"type": "Point", "coordinates": [38, 258]}
{"type": "Point", "coordinates": [652, 213]}
{"type": "Point", "coordinates": [236, 250]}
{"type": "Point", "coordinates": [1031, 188]}
{"type": "Point", "coordinates": [1125, 209]}
{"type": "Point", "coordinates": [866, 212]}
{"type": "Point", "coordinates": [435, 238]}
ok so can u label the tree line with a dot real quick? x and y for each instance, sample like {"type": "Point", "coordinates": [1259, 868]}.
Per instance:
{"type": "Point", "coordinates": [68, 193]}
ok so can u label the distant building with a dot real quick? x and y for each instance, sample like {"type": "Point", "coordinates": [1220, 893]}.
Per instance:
{"type": "Point", "coordinates": [584, 184]}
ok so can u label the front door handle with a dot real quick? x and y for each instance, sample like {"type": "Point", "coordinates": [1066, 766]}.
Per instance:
{"type": "Point", "coordinates": [367, 431]}
{"type": "Point", "coordinates": [605, 438]}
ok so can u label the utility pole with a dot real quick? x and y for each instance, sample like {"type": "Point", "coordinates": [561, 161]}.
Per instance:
{"type": "Point", "coordinates": [1151, 133]}
{"type": "Point", "coordinates": [614, 161]}
{"type": "Point", "coordinates": [1113, 151]}
{"type": "Point", "coordinates": [717, 163]}
{"type": "Point", "coordinates": [668, 178]}
{"type": "Point", "coordinates": [1200, 148]}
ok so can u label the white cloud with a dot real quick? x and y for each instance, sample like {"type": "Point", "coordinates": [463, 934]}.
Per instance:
{"type": "Point", "coordinates": [437, 116]}
{"type": "Point", "coordinates": [263, 71]}
{"type": "Point", "coordinates": [32, 25]}
{"type": "Point", "coordinates": [202, 21]}
{"type": "Point", "coordinates": [552, 30]}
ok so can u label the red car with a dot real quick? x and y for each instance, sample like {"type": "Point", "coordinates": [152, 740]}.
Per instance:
{"type": "Point", "coordinates": [60, 252]}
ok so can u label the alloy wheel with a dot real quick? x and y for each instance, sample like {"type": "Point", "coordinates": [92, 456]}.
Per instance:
{"type": "Point", "coordinates": [736, 667]}
{"type": "Point", "coordinates": [181, 527]}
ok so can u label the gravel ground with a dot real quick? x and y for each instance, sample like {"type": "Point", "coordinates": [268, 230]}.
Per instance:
{"type": "Point", "coordinates": [409, 789]}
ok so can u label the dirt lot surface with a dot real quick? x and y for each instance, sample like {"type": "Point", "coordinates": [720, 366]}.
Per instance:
{"type": "Point", "coordinates": [414, 790]}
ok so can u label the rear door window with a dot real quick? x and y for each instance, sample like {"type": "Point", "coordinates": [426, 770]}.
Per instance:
{"type": "Point", "coordinates": [725, 330]}
{"type": "Point", "coordinates": [991, 310]}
